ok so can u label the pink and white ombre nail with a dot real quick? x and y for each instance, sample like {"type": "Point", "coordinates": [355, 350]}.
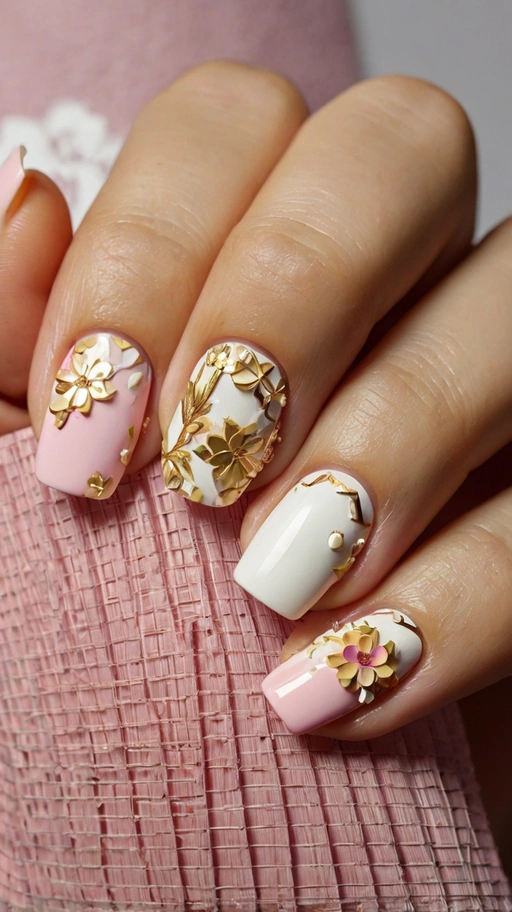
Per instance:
{"type": "Point", "coordinates": [95, 416]}
{"type": "Point", "coordinates": [349, 666]}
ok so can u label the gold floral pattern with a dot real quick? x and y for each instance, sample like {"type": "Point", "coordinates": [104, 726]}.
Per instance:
{"type": "Point", "coordinates": [232, 454]}
{"type": "Point", "coordinates": [177, 471]}
{"type": "Point", "coordinates": [235, 453]}
{"type": "Point", "coordinates": [364, 665]}
{"type": "Point", "coordinates": [87, 379]}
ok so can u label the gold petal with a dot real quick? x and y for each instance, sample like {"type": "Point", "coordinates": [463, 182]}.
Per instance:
{"type": "Point", "coordinates": [123, 344]}
{"type": "Point", "coordinates": [348, 670]}
{"type": "Point", "coordinates": [80, 365]}
{"type": "Point", "coordinates": [230, 495]}
{"type": "Point", "coordinates": [336, 660]}
{"type": "Point", "coordinates": [66, 376]}
{"type": "Point", "coordinates": [101, 370]}
{"type": "Point", "coordinates": [383, 671]}
{"type": "Point", "coordinates": [365, 643]}
{"type": "Point", "coordinates": [81, 346]}
{"type": "Point", "coordinates": [352, 637]}
{"type": "Point", "coordinates": [253, 445]}
{"type": "Point", "coordinates": [81, 399]}
{"type": "Point", "coordinates": [366, 676]}
{"type": "Point", "coordinates": [59, 405]}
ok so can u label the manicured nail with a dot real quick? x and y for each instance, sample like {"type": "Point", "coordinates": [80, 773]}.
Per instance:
{"type": "Point", "coordinates": [308, 542]}
{"type": "Point", "coordinates": [12, 175]}
{"type": "Point", "coordinates": [223, 431]}
{"type": "Point", "coordinates": [95, 416]}
{"type": "Point", "coordinates": [349, 666]}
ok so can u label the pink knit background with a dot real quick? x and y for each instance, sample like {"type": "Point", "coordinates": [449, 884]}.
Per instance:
{"type": "Point", "coordinates": [139, 768]}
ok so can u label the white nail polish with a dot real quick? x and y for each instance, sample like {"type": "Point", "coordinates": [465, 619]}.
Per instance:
{"type": "Point", "coordinates": [222, 433]}
{"type": "Point", "coordinates": [308, 542]}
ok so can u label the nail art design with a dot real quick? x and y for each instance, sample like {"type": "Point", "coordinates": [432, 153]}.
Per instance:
{"type": "Point", "coordinates": [224, 430]}
{"type": "Point", "coordinates": [12, 175]}
{"type": "Point", "coordinates": [351, 665]}
{"type": "Point", "coordinates": [95, 416]}
{"type": "Point", "coordinates": [308, 542]}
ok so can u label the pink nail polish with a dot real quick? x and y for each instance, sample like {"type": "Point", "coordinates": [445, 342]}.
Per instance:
{"type": "Point", "coordinates": [12, 175]}
{"type": "Point", "coordinates": [95, 416]}
{"type": "Point", "coordinates": [349, 666]}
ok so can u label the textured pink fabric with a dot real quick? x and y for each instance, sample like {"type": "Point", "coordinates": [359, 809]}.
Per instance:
{"type": "Point", "coordinates": [116, 55]}
{"type": "Point", "coordinates": [139, 767]}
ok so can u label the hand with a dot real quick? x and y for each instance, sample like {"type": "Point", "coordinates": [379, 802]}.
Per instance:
{"type": "Point", "coordinates": [242, 255]}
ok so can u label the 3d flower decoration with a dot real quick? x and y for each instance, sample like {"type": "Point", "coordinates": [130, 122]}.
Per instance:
{"type": "Point", "coordinates": [86, 380]}
{"type": "Point", "coordinates": [249, 373]}
{"type": "Point", "coordinates": [232, 453]}
{"type": "Point", "coordinates": [219, 357]}
{"type": "Point", "coordinates": [363, 665]}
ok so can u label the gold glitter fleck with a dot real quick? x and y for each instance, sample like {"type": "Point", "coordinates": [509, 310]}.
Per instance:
{"type": "Point", "coordinates": [124, 456]}
{"type": "Point", "coordinates": [131, 430]}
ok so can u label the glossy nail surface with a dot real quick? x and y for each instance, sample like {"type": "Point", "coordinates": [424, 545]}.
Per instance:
{"type": "Point", "coordinates": [349, 666]}
{"type": "Point", "coordinates": [307, 543]}
{"type": "Point", "coordinates": [12, 175]}
{"type": "Point", "coordinates": [223, 431]}
{"type": "Point", "coordinates": [95, 416]}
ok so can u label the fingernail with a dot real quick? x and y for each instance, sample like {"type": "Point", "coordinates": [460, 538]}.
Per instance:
{"type": "Point", "coordinates": [349, 666]}
{"type": "Point", "coordinates": [223, 431]}
{"type": "Point", "coordinates": [308, 542]}
{"type": "Point", "coordinates": [95, 415]}
{"type": "Point", "coordinates": [12, 175]}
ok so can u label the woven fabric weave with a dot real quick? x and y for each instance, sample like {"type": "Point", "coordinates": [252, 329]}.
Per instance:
{"type": "Point", "coordinates": [140, 768]}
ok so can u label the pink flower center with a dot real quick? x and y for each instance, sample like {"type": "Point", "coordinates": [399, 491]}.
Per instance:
{"type": "Point", "coordinates": [364, 658]}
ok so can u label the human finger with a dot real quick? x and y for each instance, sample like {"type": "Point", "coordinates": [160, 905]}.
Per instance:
{"type": "Point", "coordinates": [431, 403]}
{"type": "Point", "coordinates": [370, 193]}
{"type": "Point", "coordinates": [190, 167]}
{"type": "Point", "coordinates": [441, 618]}
{"type": "Point", "coordinates": [35, 231]}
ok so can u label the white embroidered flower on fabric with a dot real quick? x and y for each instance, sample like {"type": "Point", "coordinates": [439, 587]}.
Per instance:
{"type": "Point", "coordinates": [70, 143]}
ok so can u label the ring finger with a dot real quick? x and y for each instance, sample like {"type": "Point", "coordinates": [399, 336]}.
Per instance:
{"type": "Point", "coordinates": [432, 402]}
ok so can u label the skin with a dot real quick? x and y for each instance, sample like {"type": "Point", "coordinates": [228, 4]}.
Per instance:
{"type": "Point", "coordinates": [342, 244]}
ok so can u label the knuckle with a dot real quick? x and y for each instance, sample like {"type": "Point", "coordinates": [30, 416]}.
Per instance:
{"type": "Point", "coordinates": [282, 256]}
{"type": "Point", "coordinates": [132, 251]}
{"type": "Point", "coordinates": [422, 113]}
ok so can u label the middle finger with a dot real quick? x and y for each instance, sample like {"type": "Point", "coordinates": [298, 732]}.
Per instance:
{"type": "Point", "coordinates": [373, 190]}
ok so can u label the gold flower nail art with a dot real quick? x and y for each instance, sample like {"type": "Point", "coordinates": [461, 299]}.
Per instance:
{"type": "Point", "coordinates": [207, 429]}
{"type": "Point", "coordinates": [364, 665]}
{"type": "Point", "coordinates": [87, 379]}
{"type": "Point", "coordinates": [232, 454]}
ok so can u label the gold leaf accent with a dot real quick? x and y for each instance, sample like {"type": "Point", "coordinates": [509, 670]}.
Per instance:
{"type": "Point", "coordinates": [355, 511]}
{"type": "Point", "coordinates": [342, 569]}
{"type": "Point", "coordinates": [98, 485]}
{"type": "Point", "coordinates": [131, 430]}
{"type": "Point", "coordinates": [177, 471]}
{"type": "Point", "coordinates": [124, 456]}
{"type": "Point", "coordinates": [123, 344]}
